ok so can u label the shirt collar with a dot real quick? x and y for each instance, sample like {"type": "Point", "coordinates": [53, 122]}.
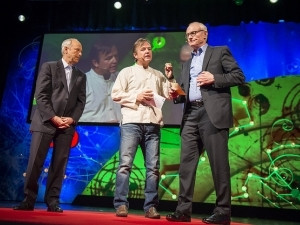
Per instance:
{"type": "Point", "coordinates": [197, 53]}
{"type": "Point", "coordinates": [66, 64]}
{"type": "Point", "coordinates": [141, 67]}
{"type": "Point", "coordinates": [199, 50]}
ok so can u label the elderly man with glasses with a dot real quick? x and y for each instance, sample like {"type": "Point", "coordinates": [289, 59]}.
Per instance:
{"type": "Point", "coordinates": [206, 79]}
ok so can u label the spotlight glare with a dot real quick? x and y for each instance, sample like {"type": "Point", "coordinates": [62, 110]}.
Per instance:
{"type": "Point", "coordinates": [21, 18]}
{"type": "Point", "coordinates": [273, 1]}
{"type": "Point", "coordinates": [118, 5]}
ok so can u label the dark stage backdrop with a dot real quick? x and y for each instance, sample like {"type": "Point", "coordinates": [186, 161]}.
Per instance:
{"type": "Point", "coordinates": [264, 143]}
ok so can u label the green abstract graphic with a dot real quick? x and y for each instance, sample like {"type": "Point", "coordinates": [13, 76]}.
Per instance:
{"type": "Point", "coordinates": [264, 149]}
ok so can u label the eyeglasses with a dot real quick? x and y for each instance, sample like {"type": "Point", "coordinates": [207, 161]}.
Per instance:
{"type": "Point", "coordinates": [193, 33]}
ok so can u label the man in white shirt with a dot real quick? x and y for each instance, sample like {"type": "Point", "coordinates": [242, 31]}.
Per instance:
{"type": "Point", "coordinates": [135, 89]}
{"type": "Point", "coordinates": [99, 105]}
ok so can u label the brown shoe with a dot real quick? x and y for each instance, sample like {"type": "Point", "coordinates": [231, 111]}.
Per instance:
{"type": "Point", "coordinates": [152, 213]}
{"type": "Point", "coordinates": [122, 211]}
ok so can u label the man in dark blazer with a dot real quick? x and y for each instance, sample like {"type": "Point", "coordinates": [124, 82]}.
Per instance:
{"type": "Point", "coordinates": [60, 97]}
{"type": "Point", "coordinates": [206, 79]}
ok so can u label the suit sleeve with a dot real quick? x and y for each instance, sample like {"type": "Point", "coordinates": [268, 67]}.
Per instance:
{"type": "Point", "coordinates": [232, 74]}
{"type": "Point", "coordinates": [43, 93]}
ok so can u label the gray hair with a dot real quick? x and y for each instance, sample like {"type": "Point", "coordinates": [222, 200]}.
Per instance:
{"type": "Point", "coordinates": [67, 43]}
{"type": "Point", "coordinates": [201, 25]}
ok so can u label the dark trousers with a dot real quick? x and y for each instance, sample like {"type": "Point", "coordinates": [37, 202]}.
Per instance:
{"type": "Point", "coordinates": [39, 148]}
{"type": "Point", "coordinates": [197, 134]}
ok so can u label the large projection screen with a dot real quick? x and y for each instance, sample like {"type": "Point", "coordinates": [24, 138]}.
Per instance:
{"type": "Point", "coordinates": [166, 47]}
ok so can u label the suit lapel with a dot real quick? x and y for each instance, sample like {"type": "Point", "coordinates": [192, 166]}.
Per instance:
{"type": "Point", "coordinates": [207, 56]}
{"type": "Point", "coordinates": [61, 74]}
{"type": "Point", "coordinates": [73, 78]}
{"type": "Point", "coordinates": [186, 81]}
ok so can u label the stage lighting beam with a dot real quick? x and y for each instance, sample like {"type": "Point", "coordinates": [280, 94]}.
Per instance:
{"type": "Point", "coordinates": [118, 5]}
{"type": "Point", "coordinates": [21, 18]}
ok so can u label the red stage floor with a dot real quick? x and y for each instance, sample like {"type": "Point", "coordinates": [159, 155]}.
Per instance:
{"type": "Point", "coordinates": [77, 215]}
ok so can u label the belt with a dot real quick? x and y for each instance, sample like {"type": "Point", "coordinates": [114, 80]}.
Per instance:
{"type": "Point", "coordinates": [198, 103]}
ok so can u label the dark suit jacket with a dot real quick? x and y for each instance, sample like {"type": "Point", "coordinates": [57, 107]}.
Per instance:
{"type": "Point", "coordinates": [217, 97]}
{"type": "Point", "coordinates": [54, 99]}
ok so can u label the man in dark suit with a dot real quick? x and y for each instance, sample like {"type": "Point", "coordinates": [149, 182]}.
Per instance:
{"type": "Point", "coordinates": [206, 78]}
{"type": "Point", "coordinates": [60, 96]}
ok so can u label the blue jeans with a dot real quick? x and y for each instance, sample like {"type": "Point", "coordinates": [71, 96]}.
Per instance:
{"type": "Point", "coordinates": [148, 137]}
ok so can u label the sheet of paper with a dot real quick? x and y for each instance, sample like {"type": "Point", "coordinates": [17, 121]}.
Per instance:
{"type": "Point", "coordinates": [157, 101]}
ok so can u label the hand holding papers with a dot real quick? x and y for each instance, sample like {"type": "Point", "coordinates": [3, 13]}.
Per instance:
{"type": "Point", "coordinates": [157, 101]}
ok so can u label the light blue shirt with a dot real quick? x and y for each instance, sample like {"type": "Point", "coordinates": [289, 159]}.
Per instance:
{"type": "Point", "coordinates": [195, 70]}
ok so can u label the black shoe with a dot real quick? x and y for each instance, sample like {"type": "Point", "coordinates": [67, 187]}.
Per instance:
{"type": "Point", "coordinates": [26, 206]}
{"type": "Point", "coordinates": [178, 217]}
{"type": "Point", "coordinates": [217, 218]}
{"type": "Point", "coordinates": [55, 208]}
